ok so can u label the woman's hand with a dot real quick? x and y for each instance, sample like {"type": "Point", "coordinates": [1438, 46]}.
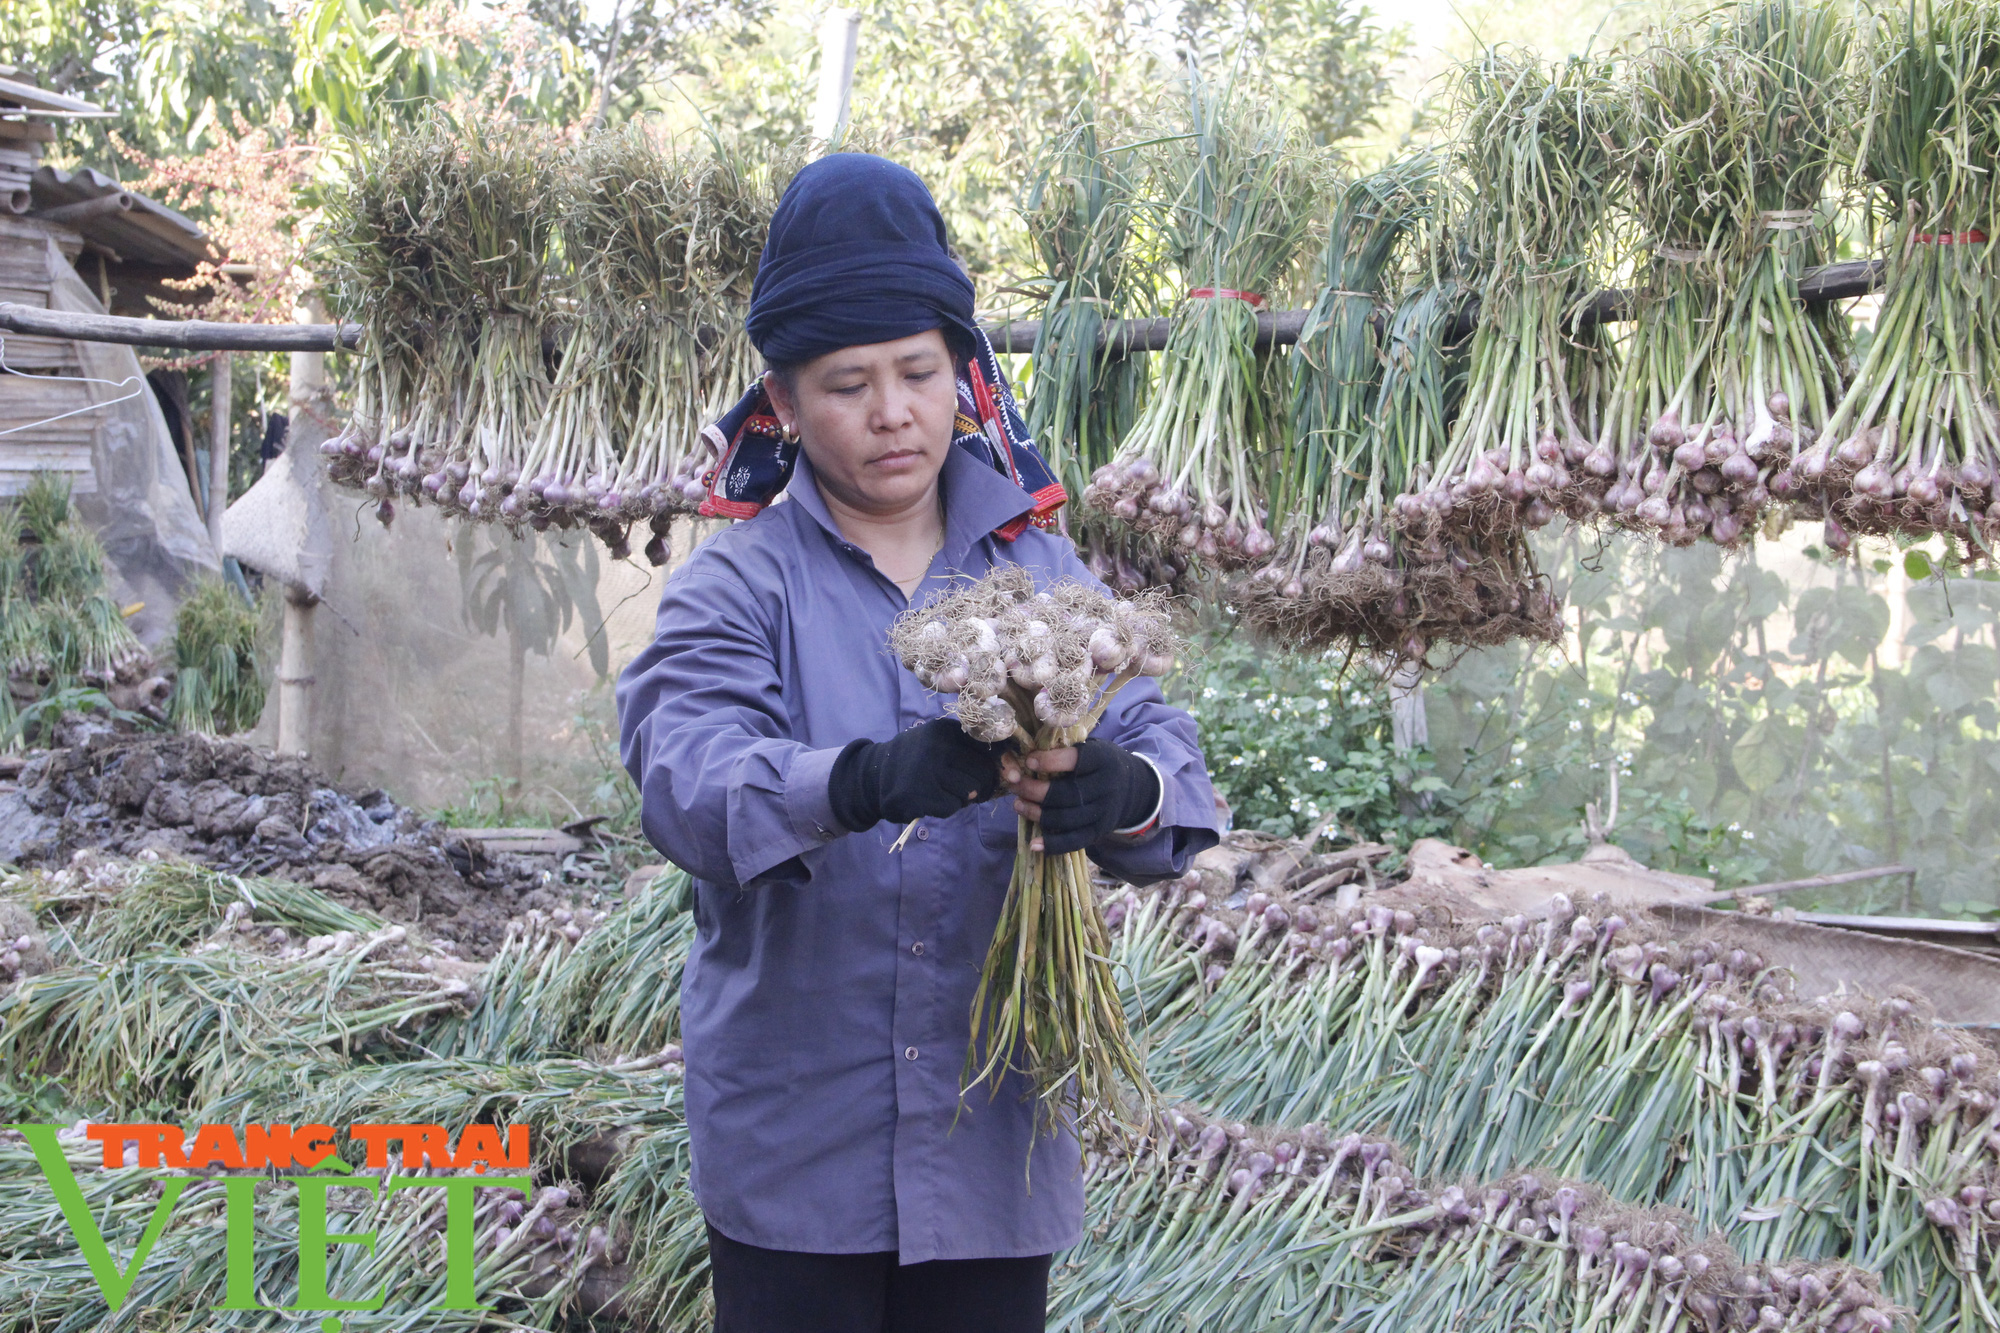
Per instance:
{"type": "Point", "coordinates": [931, 769]}
{"type": "Point", "coordinates": [1080, 793]}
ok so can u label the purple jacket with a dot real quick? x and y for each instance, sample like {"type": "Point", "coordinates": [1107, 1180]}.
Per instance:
{"type": "Point", "coordinates": [827, 997]}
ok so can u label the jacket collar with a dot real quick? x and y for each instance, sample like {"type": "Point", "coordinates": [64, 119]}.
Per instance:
{"type": "Point", "coordinates": [978, 503]}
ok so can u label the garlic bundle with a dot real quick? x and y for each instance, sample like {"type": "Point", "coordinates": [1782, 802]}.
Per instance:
{"type": "Point", "coordinates": [1024, 662]}
{"type": "Point", "coordinates": [1040, 668]}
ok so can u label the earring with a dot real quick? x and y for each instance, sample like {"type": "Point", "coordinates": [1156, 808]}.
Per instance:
{"type": "Point", "coordinates": [791, 433]}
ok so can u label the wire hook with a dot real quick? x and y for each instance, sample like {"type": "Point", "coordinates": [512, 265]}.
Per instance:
{"type": "Point", "coordinates": [69, 379]}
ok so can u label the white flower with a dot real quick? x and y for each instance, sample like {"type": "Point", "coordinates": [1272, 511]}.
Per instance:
{"type": "Point", "coordinates": [1296, 803]}
{"type": "Point", "coordinates": [1748, 836]}
{"type": "Point", "coordinates": [1515, 785]}
{"type": "Point", "coordinates": [1208, 691]}
{"type": "Point", "coordinates": [1735, 827]}
{"type": "Point", "coordinates": [1517, 761]}
{"type": "Point", "coordinates": [1320, 704]}
{"type": "Point", "coordinates": [1575, 725]}
{"type": "Point", "coordinates": [1325, 684]}
{"type": "Point", "coordinates": [1316, 764]}
{"type": "Point", "coordinates": [1238, 762]}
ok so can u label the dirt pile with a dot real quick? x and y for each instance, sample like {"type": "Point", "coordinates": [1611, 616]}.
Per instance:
{"type": "Point", "coordinates": [249, 811]}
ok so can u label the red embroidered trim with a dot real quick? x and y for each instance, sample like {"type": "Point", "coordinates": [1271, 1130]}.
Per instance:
{"type": "Point", "coordinates": [1050, 498]}
{"type": "Point", "coordinates": [982, 398]}
{"type": "Point", "coordinates": [1973, 237]}
{"type": "Point", "coordinates": [717, 507]}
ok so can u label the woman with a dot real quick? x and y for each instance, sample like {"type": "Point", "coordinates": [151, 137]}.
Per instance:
{"type": "Point", "coordinates": [780, 749]}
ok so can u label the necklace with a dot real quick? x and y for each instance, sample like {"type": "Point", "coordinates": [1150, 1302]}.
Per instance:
{"type": "Point", "coordinates": [912, 583]}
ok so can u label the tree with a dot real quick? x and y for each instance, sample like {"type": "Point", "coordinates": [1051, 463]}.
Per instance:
{"type": "Point", "coordinates": [170, 70]}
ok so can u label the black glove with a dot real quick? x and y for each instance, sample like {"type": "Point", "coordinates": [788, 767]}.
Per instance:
{"type": "Point", "coordinates": [935, 769]}
{"type": "Point", "coordinates": [1110, 789]}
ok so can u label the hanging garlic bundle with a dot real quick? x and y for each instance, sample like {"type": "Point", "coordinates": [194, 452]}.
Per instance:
{"type": "Point", "coordinates": [1914, 447]}
{"type": "Point", "coordinates": [1040, 668]}
{"type": "Point", "coordinates": [627, 406]}
{"type": "Point", "coordinates": [1732, 130]}
{"type": "Point", "coordinates": [443, 245]}
{"type": "Point", "coordinates": [1085, 391]}
{"type": "Point", "coordinates": [1535, 153]}
{"type": "Point", "coordinates": [549, 327]}
{"type": "Point", "coordinates": [1211, 459]}
{"type": "Point", "coordinates": [1345, 472]}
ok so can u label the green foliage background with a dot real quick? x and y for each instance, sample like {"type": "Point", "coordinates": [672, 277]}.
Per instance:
{"type": "Point", "coordinates": [1764, 722]}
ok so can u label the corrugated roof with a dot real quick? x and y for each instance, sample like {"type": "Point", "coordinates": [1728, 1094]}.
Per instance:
{"type": "Point", "coordinates": [146, 233]}
{"type": "Point", "coordinates": [18, 96]}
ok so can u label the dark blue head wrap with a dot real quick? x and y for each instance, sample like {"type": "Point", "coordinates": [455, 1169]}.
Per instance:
{"type": "Point", "coordinates": [856, 255]}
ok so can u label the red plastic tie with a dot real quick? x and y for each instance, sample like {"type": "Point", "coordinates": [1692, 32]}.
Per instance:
{"type": "Point", "coordinates": [1973, 237]}
{"type": "Point", "coordinates": [1228, 293]}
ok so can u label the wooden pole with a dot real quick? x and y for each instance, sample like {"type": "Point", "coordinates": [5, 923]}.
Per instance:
{"type": "Point", "coordinates": [1409, 723]}
{"type": "Point", "coordinates": [1275, 328]}
{"type": "Point", "coordinates": [1815, 882]}
{"type": "Point", "coordinates": [295, 647]}
{"type": "Point", "coordinates": [188, 335]}
{"type": "Point", "coordinates": [839, 41]}
{"type": "Point", "coordinates": [220, 391]}
{"type": "Point", "coordinates": [190, 464]}
{"type": "Point", "coordinates": [295, 673]}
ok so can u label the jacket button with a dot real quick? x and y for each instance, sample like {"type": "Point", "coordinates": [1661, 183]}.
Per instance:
{"type": "Point", "coordinates": [909, 1052]}
{"type": "Point", "coordinates": [923, 834]}
{"type": "Point", "coordinates": [918, 948]}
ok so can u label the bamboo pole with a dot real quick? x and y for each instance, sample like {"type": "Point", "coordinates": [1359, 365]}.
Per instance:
{"type": "Point", "coordinates": [1833, 282]}
{"type": "Point", "coordinates": [295, 647]}
{"type": "Point", "coordinates": [220, 391]}
{"type": "Point", "coordinates": [295, 673]}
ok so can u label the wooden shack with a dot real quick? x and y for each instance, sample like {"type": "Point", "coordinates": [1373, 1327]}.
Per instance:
{"type": "Point", "coordinates": [76, 241]}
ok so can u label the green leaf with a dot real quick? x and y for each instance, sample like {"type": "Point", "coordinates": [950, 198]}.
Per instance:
{"type": "Point", "coordinates": [1759, 755]}
{"type": "Point", "coordinates": [1926, 799]}
{"type": "Point", "coordinates": [1917, 564]}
